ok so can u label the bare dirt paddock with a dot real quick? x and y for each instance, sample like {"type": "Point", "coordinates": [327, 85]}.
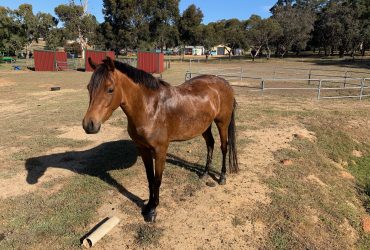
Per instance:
{"type": "Point", "coordinates": [302, 185]}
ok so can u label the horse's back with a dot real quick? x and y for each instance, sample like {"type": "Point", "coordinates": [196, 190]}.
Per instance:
{"type": "Point", "coordinates": [195, 104]}
{"type": "Point", "coordinates": [219, 91]}
{"type": "Point", "coordinates": [208, 85]}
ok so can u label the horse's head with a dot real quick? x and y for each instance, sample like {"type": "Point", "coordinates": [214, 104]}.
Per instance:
{"type": "Point", "coordinates": [105, 96]}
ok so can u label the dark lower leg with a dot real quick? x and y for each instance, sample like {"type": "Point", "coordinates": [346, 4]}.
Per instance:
{"type": "Point", "coordinates": [208, 137]}
{"type": "Point", "coordinates": [149, 211]}
{"type": "Point", "coordinates": [222, 128]}
{"type": "Point", "coordinates": [222, 180]}
{"type": "Point", "coordinates": [146, 155]}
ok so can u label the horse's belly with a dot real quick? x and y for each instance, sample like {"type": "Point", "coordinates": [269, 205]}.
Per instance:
{"type": "Point", "coordinates": [188, 128]}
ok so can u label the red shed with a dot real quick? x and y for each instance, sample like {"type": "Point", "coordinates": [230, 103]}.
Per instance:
{"type": "Point", "coordinates": [151, 62]}
{"type": "Point", "coordinates": [50, 60]}
{"type": "Point", "coordinates": [97, 57]}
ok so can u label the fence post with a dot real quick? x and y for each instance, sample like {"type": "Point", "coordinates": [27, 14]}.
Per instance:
{"type": "Point", "coordinates": [309, 77]}
{"type": "Point", "coordinates": [262, 86]}
{"type": "Point", "coordinates": [345, 79]}
{"type": "Point", "coordinates": [362, 88]}
{"type": "Point", "coordinates": [319, 90]}
{"type": "Point", "coordinates": [187, 75]}
{"type": "Point", "coordinates": [241, 74]}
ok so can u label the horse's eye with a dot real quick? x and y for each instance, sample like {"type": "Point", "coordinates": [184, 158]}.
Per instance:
{"type": "Point", "coordinates": [110, 90]}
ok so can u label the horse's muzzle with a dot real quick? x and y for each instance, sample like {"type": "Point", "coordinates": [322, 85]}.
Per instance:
{"type": "Point", "coordinates": [90, 126]}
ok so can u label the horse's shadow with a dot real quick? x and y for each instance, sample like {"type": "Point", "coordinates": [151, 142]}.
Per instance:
{"type": "Point", "coordinates": [98, 162]}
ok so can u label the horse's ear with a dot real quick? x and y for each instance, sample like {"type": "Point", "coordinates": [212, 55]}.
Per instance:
{"type": "Point", "coordinates": [110, 63]}
{"type": "Point", "coordinates": [93, 65]}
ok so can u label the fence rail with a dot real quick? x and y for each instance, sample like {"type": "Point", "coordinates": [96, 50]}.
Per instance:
{"type": "Point", "coordinates": [355, 83]}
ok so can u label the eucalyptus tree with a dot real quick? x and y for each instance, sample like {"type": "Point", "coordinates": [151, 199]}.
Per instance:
{"type": "Point", "coordinates": [78, 24]}
{"type": "Point", "coordinates": [190, 26]}
{"type": "Point", "coordinates": [338, 28]}
{"type": "Point", "coordinates": [297, 23]}
{"type": "Point", "coordinates": [10, 32]}
{"type": "Point", "coordinates": [262, 33]}
{"type": "Point", "coordinates": [27, 22]}
{"type": "Point", "coordinates": [234, 36]}
{"type": "Point", "coordinates": [163, 17]}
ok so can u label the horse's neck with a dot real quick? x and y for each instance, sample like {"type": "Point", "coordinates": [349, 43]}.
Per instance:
{"type": "Point", "coordinates": [138, 101]}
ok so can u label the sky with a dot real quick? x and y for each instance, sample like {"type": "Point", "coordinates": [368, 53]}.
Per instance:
{"type": "Point", "coordinates": [213, 10]}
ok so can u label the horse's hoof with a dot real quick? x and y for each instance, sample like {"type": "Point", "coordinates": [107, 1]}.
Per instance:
{"type": "Point", "coordinates": [222, 181]}
{"type": "Point", "coordinates": [150, 215]}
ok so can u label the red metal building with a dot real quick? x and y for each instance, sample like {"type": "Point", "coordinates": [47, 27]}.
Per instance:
{"type": "Point", "coordinates": [49, 60]}
{"type": "Point", "coordinates": [97, 57]}
{"type": "Point", "coordinates": [151, 62]}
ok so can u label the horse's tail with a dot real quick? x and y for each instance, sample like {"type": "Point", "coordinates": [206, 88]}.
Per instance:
{"type": "Point", "coordinates": [233, 159]}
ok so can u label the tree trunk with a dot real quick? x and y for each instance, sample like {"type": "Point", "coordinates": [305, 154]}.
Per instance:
{"type": "Point", "coordinates": [268, 52]}
{"type": "Point", "coordinates": [183, 52]}
{"type": "Point", "coordinates": [28, 51]}
{"type": "Point", "coordinates": [255, 53]}
{"type": "Point", "coordinates": [341, 52]}
{"type": "Point", "coordinates": [83, 43]}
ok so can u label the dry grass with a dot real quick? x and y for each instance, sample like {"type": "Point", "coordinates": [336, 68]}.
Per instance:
{"type": "Point", "coordinates": [311, 204]}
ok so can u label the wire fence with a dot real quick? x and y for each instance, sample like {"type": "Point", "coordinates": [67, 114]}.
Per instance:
{"type": "Point", "coordinates": [349, 83]}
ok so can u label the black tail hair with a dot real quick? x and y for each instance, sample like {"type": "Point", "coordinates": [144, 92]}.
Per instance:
{"type": "Point", "coordinates": [233, 155]}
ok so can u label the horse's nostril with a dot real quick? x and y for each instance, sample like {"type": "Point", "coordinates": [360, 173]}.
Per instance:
{"type": "Point", "coordinates": [91, 125]}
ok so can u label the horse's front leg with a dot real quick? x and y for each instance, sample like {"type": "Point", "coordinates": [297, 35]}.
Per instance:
{"type": "Point", "coordinates": [149, 211]}
{"type": "Point", "coordinates": [147, 157]}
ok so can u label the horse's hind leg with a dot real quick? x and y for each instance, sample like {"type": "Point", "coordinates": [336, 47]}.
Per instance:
{"type": "Point", "coordinates": [208, 137]}
{"type": "Point", "coordinates": [223, 131]}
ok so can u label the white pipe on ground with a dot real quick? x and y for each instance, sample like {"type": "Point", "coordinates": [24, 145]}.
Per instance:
{"type": "Point", "coordinates": [99, 233]}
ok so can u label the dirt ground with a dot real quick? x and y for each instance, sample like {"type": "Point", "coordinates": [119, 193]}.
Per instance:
{"type": "Point", "coordinates": [44, 152]}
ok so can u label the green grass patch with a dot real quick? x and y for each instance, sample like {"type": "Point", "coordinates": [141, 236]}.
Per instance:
{"type": "Point", "coordinates": [312, 205]}
{"type": "Point", "coordinates": [56, 221]}
{"type": "Point", "coordinates": [147, 234]}
{"type": "Point", "coordinates": [360, 168]}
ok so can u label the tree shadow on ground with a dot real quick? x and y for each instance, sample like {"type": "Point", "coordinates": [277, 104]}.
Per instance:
{"type": "Point", "coordinates": [345, 63]}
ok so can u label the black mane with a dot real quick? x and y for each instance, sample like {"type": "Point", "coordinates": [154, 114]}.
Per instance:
{"type": "Point", "coordinates": [136, 75]}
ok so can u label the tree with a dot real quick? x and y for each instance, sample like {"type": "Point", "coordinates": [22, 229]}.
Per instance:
{"type": "Point", "coordinates": [27, 22]}
{"type": "Point", "coordinates": [126, 24]}
{"type": "Point", "coordinates": [78, 25]}
{"type": "Point", "coordinates": [338, 28]}
{"type": "Point", "coordinates": [45, 23]}
{"type": "Point", "coordinates": [234, 35]}
{"type": "Point", "coordinates": [208, 37]}
{"type": "Point", "coordinates": [163, 16]}
{"type": "Point", "coordinates": [10, 36]}
{"type": "Point", "coordinates": [297, 24]}
{"type": "Point", "coordinates": [363, 8]}
{"type": "Point", "coordinates": [261, 33]}
{"type": "Point", "coordinates": [55, 38]}
{"type": "Point", "coordinates": [30, 27]}
{"type": "Point", "coordinates": [189, 26]}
